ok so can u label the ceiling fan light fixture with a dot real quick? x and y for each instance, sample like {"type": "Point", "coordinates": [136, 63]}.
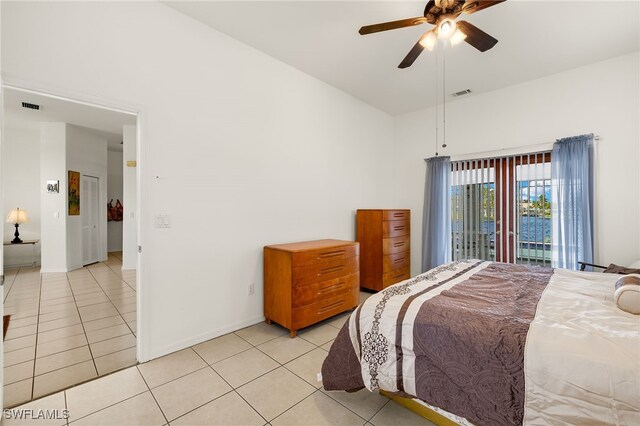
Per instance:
{"type": "Point", "coordinates": [429, 42]}
{"type": "Point", "coordinates": [457, 37]}
{"type": "Point", "coordinates": [446, 28]}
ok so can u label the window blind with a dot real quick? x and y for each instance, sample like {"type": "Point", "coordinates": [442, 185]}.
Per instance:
{"type": "Point", "coordinates": [500, 209]}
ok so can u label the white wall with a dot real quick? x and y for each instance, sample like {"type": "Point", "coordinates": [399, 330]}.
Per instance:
{"type": "Point", "coordinates": [87, 154]}
{"type": "Point", "coordinates": [602, 98]}
{"type": "Point", "coordinates": [130, 199]}
{"type": "Point", "coordinates": [53, 165]}
{"type": "Point", "coordinates": [239, 149]}
{"type": "Point", "coordinates": [114, 192]}
{"type": "Point", "coordinates": [21, 188]}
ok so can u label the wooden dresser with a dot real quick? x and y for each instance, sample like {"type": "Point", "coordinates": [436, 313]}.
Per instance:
{"type": "Point", "coordinates": [310, 281]}
{"type": "Point", "coordinates": [384, 247]}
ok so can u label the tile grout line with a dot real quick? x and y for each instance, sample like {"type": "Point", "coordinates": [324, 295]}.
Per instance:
{"type": "Point", "coordinates": [35, 348]}
{"type": "Point", "coordinates": [264, 374]}
{"type": "Point", "coordinates": [152, 394]}
{"type": "Point", "coordinates": [185, 375]}
{"type": "Point", "coordinates": [13, 280]}
{"type": "Point", "coordinates": [233, 389]}
{"type": "Point", "coordinates": [120, 276]}
{"type": "Point", "coordinates": [85, 331]}
{"type": "Point", "coordinates": [319, 391]}
{"type": "Point", "coordinates": [111, 301]}
{"type": "Point", "coordinates": [76, 385]}
{"type": "Point", "coordinates": [66, 405]}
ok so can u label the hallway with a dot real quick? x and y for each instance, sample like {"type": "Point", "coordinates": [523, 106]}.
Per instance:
{"type": "Point", "coordinates": [67, 328]}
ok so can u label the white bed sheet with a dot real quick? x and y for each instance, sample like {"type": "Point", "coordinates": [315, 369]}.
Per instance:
{"type": "Point", "coordinates": [582, 355]}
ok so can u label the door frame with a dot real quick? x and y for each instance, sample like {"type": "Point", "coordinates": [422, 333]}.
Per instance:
{"type": "Point", "coordinates": [142, 326]}
{"type": "Point", "coordinates": [101, 237]}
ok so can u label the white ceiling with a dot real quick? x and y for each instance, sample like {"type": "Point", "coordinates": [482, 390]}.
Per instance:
{"type": "Point", "coordinates": [536, 38]}
{"type": "Point", "coordinates": [101, 120]}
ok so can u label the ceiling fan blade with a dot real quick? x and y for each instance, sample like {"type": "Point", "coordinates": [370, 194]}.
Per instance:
{"type": "Point", "coordinates": [386, 26]}
{"type": "Point", "coordinates": [472, 6]}
{"type": "Point", "coordinates": [476, 37]}
{"type": "Point", "coordinates": [413, 54]}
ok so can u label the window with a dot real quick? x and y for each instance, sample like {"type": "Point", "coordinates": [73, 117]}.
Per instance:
{"type": "Point", "coordinates": [501, 209]}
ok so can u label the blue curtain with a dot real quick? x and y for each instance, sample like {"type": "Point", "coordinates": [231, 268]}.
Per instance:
{"type": "Point", "coordinates": [436, 214]}
{"type": "Point", "coordinates": [572, 216]}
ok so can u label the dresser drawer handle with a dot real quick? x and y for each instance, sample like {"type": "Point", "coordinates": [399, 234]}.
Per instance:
{"type": "Point", "coordinates": [399, 276]}
{"type": "Point", "coordinates": [331, 254]}
{"type": "Point", "coordinates": [399, 260]}
{"type": "Point", "coordinates": [398, 244]}
{"type": "Point", "coordinates": [398, 214]}
{"type": "Point", "coordinates": [398, 228]}
{"type": "Point", "coordinates": [331, 288]}
{"type": "Point", "coordinates": [330, 270]}
{"type": "Point", "coordinates": [330, 307]}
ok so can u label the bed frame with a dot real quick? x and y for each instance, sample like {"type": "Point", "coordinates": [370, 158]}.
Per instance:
{"type": "Point", "coordinates": [420, 409]}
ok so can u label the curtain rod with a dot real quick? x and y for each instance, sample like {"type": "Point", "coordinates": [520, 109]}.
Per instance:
{"type": "Point", "coordinates": [509, 151]}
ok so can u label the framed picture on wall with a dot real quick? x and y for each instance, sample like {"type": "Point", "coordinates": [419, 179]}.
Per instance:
{"type": "Point", "coordinates": [74, 193]}
{"type": "Point", "coordinates": [53, 186]}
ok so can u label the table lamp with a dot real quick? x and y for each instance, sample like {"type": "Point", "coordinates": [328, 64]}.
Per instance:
{"type": "Point", "coordinates": [17, 217]}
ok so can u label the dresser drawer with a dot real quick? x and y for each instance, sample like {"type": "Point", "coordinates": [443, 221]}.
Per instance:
{"type": "Point", "coordinates": [324, 255]}
{"type": "Point", "coordinates": [318, 292]}
{"type": "Point", "coordinates": [395, 245]}
{"type": "Point", "coordinates": [395, 228]}
{"type": "Point", "coordinates": [395, 261]}
{"type": "Point", "coordinates": [305, 275]}
{"type": "Point", "coordinates": [395, 215]}
{"type": "Point", "coordinates": [395, 277]}
{"type": "Point", "coordinates": [318, 311]}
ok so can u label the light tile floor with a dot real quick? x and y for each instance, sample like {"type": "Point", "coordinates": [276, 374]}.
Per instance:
{"type": "Point", "coordinates": [68, 328]}
{"type": "Point", "coordinates": [255, 376]}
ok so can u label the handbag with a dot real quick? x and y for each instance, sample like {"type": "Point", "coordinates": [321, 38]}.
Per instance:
{"type": "Point", "coordinates": [119, 211]}
{"type": "Point", "coordinates": [110, 211]}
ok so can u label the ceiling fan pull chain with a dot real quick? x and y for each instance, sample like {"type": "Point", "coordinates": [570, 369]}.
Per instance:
{"type": "Point", "coordinates": [437, 118]}
{"type": "Point", "coordinates": [444, 98]}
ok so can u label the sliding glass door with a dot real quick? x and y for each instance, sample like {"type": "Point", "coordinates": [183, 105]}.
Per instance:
{"type": "Point", "coordinates": [501, 209]}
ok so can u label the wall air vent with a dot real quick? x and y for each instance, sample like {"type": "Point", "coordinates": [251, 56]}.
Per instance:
{"type": "Point", "coordinates": [30, 106]}
{"type": "Point", "coordinates": [461, 93]}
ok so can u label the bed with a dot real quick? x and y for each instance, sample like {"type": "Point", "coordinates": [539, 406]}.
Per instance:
{"type": "Point", "coordinates": [488, 343]}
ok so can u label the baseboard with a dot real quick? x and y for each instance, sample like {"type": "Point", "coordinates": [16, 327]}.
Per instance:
{"type": "Point", "coordinates": [51, 271]}
{"type": "Point", "coordinates": [194, 340]}
{"type": "Point", "coordinates": [128, 269]}
{"type": "Point", "coordinates": [21, 265]}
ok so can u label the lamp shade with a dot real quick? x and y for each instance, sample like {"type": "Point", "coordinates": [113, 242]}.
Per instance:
{"type": "Point", "coordinates": [17, 216]}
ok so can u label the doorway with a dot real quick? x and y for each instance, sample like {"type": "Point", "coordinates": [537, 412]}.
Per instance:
{"type": "Point", "coordinates": [73, 306]}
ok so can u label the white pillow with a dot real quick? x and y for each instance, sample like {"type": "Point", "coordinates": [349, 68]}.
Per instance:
{"type": "Point", "coordinates": [627, 294]}
{"type": "Point", "coordinates": [635, 265]}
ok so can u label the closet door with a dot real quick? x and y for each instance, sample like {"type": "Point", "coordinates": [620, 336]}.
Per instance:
{"type": "Point", "coordinates": [90, 217]}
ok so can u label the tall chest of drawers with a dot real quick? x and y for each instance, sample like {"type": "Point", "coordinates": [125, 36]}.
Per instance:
{"type": "Point", "coordinates": [310, 281]}
{"type": "Point", "coordinates": [384, 247]}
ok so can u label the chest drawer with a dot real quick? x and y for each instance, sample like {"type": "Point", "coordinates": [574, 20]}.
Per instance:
{"type": "Point", "coordinates": [395, 228]}
{"type": "Point", "coordinates": [305, 275]}
{"type": "Point", "coordinates": [324, 255]}
{"type": "Point", "coordinates": [395, 277]}
{"type": "Point", "coordinates": [395, 261]}
{"type": "Point", "coordinates": [317, 292]}
{"type": "Point", "coordinates": [395, 245]}
{"type": "Point", "coordinates": [326, 308]}
{"type": "Point", "coordinates": [395, 215]}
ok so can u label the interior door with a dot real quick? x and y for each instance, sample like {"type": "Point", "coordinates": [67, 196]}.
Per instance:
{"type": "Point", "coordinates": [90, 213]}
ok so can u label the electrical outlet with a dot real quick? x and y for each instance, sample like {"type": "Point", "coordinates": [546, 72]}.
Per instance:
{"type": "Point", "coordinates": [252, 289]}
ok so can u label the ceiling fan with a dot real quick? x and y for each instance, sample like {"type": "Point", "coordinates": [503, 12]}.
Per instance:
{"type": "Point", "coordinates": [441, 14]}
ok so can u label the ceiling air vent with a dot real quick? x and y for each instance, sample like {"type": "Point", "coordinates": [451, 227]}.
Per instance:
{"type": "Point", "coordinates": [461, 93]}
{"type": "Point", "coordinates": [30, 106]}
